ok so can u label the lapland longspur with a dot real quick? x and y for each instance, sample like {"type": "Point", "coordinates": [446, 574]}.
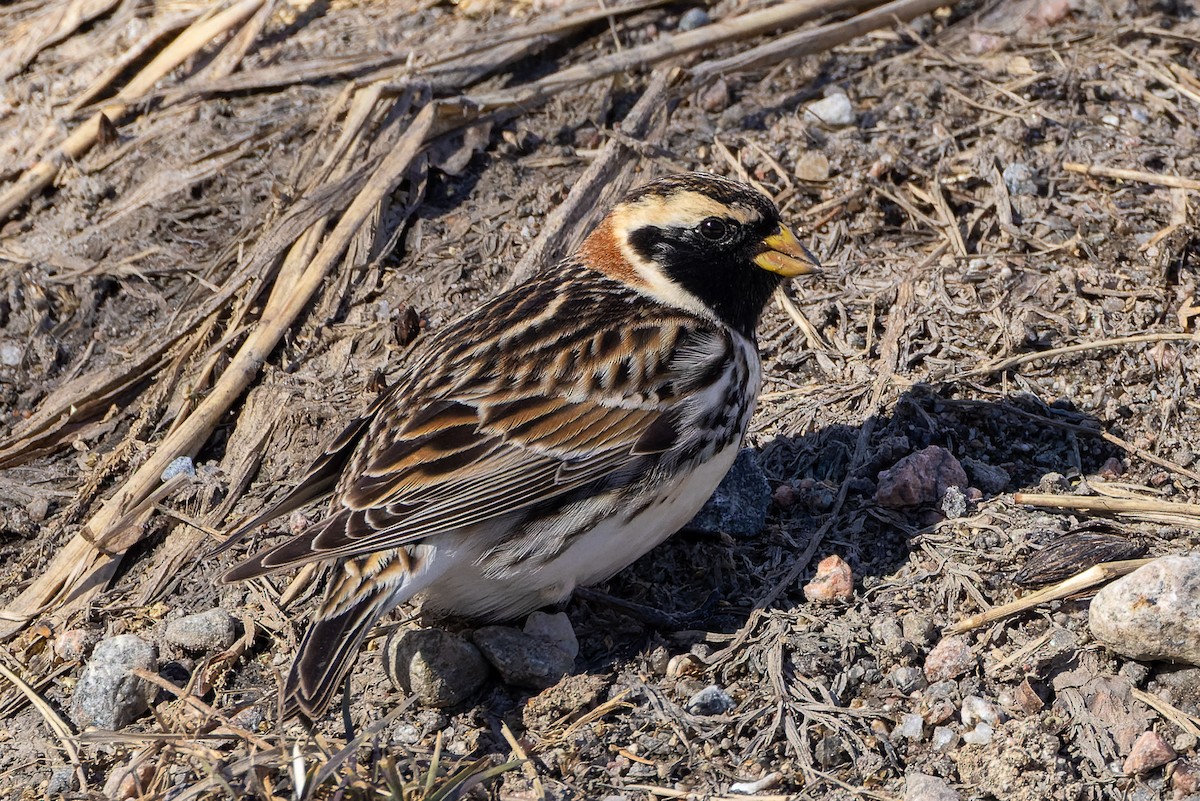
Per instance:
{"type": "Point", "coordinates": [552, 436]}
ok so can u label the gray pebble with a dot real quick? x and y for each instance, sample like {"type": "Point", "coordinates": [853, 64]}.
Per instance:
{"type": "Point", "coordinates": [988, 479]}
{"type": "Point", "coordinates": [693, 18]}
{"type": "Point", "coordinates": [908, 679]}
{"type": "Point", "coordinates": [1153, 613]}
{"type": "Point", "coordinates": [911, 727]}
{"type": "Point", "coordinates": [739, 505]}
{"type": "Point", "coordinates": [555, 628]}
{"type": "Point", "coordinates": [835, 110]}
{"type": "Point", "coordinates": [214, 630]}
{"type": "Point", "coordinates": [11, 354]}
{"type": "Point", "coordinates": [954, 503]}
{"type": "Point", "coordinates": [712, 700]}
{"type": "Point", "coordinates": [62, 781]}
{"type": "Point", "coordinates": [1018, 178]}
{"type": "Point", "coordinates": [922, 787]}
{"type": "Point", "coordinates": [181, 465]}
{"type": "Point", "coordinates": [109, 695]}
{"type": "Point", "coordinates": [439, 668]}
{"type": "Point", "coordinates": [525, 661]}
{"type": "Point", "coordinates": [918, 628]}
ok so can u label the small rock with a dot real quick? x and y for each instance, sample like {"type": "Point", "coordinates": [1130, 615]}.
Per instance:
{"type": "Point", "coordinates": [989, 479]}
{"type": "Point", "coordinates": [682, 665]}
{"type": "Point", "coordinates": [1153, 613]}
{"type": "Point", "coordinates": [920, 478]}
{"type": "Point", "coordinates": [908, 679]}
{"type": "Point", "coordinates": [938, 703]}
{"type": "Point", "coordinates": [75, 644]}
{"type": "Point", "coordinates": [1186, 779]}
{"type": "Point", "coordinates": [944, 739]}
{"type": "Point", "coordinates": [918, 628]}
{"type": "Point", "coordinates": [911, 727]}
{"type": "Point", "coordinates": [1027, 700]}
{"type": "Point", "coordinates": [1018, 178]}
{"type": "Point", "coordinates": [980, 735]}
{"type": "Point", "coordinates": [11, 354]}
{"type": "Point", "coordinates": [954, 503]}
{"type": "Point", "coordinates": [109, 695]}
{"type": "Point", "coordinates": [978, 710]}
{"type": "Point", "coordinates": [62, 781]}
{"type": "Point", "coordinates": [1053, 482]}
{"type": "Point", "coordinates": [1149, 752]}
{"type": "Point", "coordinates": [834, 581]}
{"type": "Point", "coordinates": [834, 110]}
{"type": "Point", "coordinates": [1112, 468]}
{"type": "Point", "coordinates": [438, 667]}
{"type": "Point", "coordinates": [659, 660]}
{"type": "Point", "coordinates": [949, 659]}
{"type": "Point", "coordinates": [693, 18]}
{"type": "Point", "coordinates": [214, 630]}
{"type": "Point", "coordinates": [555, 629]}
{"type": "Point", "coordinates": [886, 631]}
{"type": "Point", "coordinates": [812, 165]}
{"type": "Point", "coordinates": [38, 508]}
{"type": "Point", "coordinates": [712, 700]}
{"type": "Point", "coordinates": [181, 465]}
{"type": "Point", "coordinates": [249, 718]}
{"type": "Point", "coordinates": [739, 505]}
{"type": "Point", "coordinates": [523, 660]}
{"type": "Point", "coordinates": [922, 787]}
{"type": "Point", "coordinates": [715, 97]}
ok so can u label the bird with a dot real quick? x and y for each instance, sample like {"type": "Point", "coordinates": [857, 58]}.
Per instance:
{"type": "Point", "coordinates": [548, 438]}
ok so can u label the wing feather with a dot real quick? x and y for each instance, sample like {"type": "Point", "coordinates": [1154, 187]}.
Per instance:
{"type": "Point", "coordinates": [457, 448]}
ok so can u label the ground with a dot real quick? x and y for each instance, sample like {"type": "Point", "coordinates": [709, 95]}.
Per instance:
{"type": "Point", "coordinates": [979, 294]}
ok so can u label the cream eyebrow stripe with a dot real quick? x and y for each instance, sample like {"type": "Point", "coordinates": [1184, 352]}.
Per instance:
{"type": "Point", "coordinates": [684, 210]}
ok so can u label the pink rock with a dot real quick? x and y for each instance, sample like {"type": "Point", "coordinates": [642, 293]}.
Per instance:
{"type": "Point", "coordinates": [949, 659]}
{"type": "Point", "coordinates": [1185, 780]}
{"type": "Point", "coordinates": [920, 478]}
{"type": "Point", "coordinates": [1149, 752]}
{"type": "Point", "coordinates": [834, 581]}
{"type": "Point", "coordinates": [76, 644]}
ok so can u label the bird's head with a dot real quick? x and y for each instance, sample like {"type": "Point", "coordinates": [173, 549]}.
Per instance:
{"type": "Point", "coordinates": [700, 242]}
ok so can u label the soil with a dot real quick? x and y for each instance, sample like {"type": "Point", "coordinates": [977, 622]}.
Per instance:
{"type": "Point", "coordinates": [960, 257]}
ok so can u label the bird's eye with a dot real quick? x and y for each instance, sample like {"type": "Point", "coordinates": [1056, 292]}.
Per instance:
{"type": "Point", "coordinates": [714, 229]}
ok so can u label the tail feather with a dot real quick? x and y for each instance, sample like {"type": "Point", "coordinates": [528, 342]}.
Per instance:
{"type": "Point", "coordinates": [327, 652]}
{"type": "Point", "coordinates": [318, 482]}
{"type": "Point", "coordinates": [290, 553]}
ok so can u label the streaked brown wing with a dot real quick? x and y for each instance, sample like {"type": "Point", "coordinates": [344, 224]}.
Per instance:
{"type": "Point", "coordinates": [479, 452]}
{"type": "Point", "coordinates": [450, 478]}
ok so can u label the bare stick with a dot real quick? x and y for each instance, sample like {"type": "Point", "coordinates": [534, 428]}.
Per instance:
{"type": "Point", "coordinates": [188, 43]}
{"type": "Point", "coordinates": [783, 16]}
{"type": "Point", "coordinates": [78, 570]}
{"type": "Point", "coordinates": [1092, 503]}
{"type": "Point", "coordinates": [1077, 583]}
{"type": "Point", "coordinates": [1099, 344]}
{"type": "Point", "coordinates": [1140, 176]}
{"type": "Point", "coordinates": [803, 43]}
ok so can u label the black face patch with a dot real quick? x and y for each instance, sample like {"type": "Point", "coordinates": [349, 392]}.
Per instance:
{"type": "Point", "coordinates": [722, 273]}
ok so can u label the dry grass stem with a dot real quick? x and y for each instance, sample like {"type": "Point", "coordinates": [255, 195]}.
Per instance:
{"type": "Point", "coordinates": [1081, 582]}
{"type": "Point", "coordinates": [1139, 176]}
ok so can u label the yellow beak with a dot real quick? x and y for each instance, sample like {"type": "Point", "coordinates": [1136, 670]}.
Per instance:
{"type": "Point", "coordinates": [783, 254]}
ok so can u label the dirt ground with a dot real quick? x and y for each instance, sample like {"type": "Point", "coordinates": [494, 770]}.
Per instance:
{"type": "Point", "coordinates": [963, 263]}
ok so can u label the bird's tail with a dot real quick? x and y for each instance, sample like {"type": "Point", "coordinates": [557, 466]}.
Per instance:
{"type": "Point", "coordinates": [327, 652]}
